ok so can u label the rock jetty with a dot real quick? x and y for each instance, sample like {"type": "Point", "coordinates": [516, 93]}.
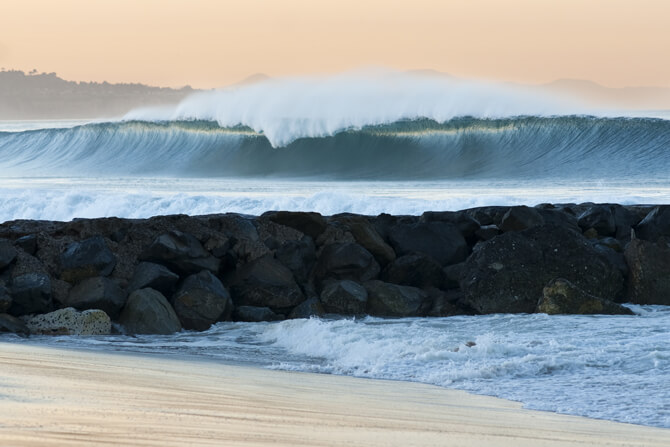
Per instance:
{"type": "Point", "coordinates": [168, 273]}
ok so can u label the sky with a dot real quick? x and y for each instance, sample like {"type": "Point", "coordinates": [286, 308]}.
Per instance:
{"type": "Point", "coordinates": [210, 43]}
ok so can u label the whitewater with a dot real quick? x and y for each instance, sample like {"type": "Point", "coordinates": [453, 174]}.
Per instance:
{"type": "Point", "coordinates": [375, 142]}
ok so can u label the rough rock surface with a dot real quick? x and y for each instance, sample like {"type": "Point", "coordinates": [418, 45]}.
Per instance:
{"type": "Point", "coordinates": [346, 261]}
{"type": "Point", "coordinates": [560, 296]}
{"type": "Point", "coordinates": [9, 323]}
{"type": "Point", "coordinates": [147, 311]}
{"type": "Point", "coordinates": [649, 277]}
{"type": "Point", "coordinates": [31, 293]}
{"type": "Point", "coordinates": [655, 224]}
{"type": "Point", "coordinates": [90, 257]}
{"type": "Point", "coordinates": [97, 293]}
{"type": "Point", "coordinates": [344, 297]}
{"type": "Point", "coordinates": [255, 314]}
{"type": "Point", "coordinates": [70, 321]}
{"type": "Point", "coordinates": [507, 274]}
{"type": "Point", "coordinates": [309, 308]}
{"type": "Point", "coordinates": [440, 240]}
{"type": "Point", "coordinates": [202, 301]}
{"type": "Point", "coordinates": [154, 276]}
{"type": "Point", "coordinates": [265, 282]}
{"type": "Point", "coordinates": [7, 253]}
{"type": "Point", "coordinates": [415, 270]}
{"type": "Point", "coordinates": [180, 252]}
{"type": "Point", "coordinates": [392, 300]}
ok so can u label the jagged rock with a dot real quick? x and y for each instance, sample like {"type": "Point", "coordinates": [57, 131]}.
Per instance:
{"type": "Point", "coordinates": [31, 293]}
{"type": "Point", "coordinates": [307, 309]}
{"type": "Point", "coordinates": [97, 293]}
{"type": "Point", "coordinates": [7, 253]}
{"type": "Point", "coordinates": [519, 218]}
{"type": "Point", "coordinates": [147, 311]}
{"type": "Point", "coordinates": [154, 276]}
{"type": "Point", "coordinates": [218, 245]}
{"type": "Point", "coordinates": [453, 274]}
{"type": "Point", "coordinates": [27, 243]}
{"type": "Point", "coordinates": [69, 321]}
{"type": "Point", "coordinates": [367, 237]}
{"type": "Point", "coordinates": [311, 224]}
{"type": "Point", "coordinates": [90, 257]}
{"type": "Point", "coordinates": [344, 297]}
{"type": "Point", "coordinates": [346, 261]}
{"type": "Point", "coordinates": [5, 298]}
{"type": "Point", "coordinates": [465, 223]}
{"type": "Point", "coordinates": [265, 282]}
{"type": "Point", "coordinates": [392, 300]}
{"type": "Point", "coordinates": [180, 252]}
{"type": "Point", "coordinates": [507, 273]}
{"type": "Point", "coordinates": [9, 323]}
{"type": "Point", "coordinates": [655, 224]}
{"type": "Point", "coordinates": [649, 277]}
{"type": "Point", "coordinates": [255, 314]}
{"type": "Point", "coordinates": [298, 256]}
{"type": "Point", "coordinates": [484, 233]}
{"type": "Point", "coordinates": [560, 296]}
{"type": "Point", "coordinates": [600, 218]}
{"type": "Point", "coordinates": [445, 303]}
{"type": "Point", "coordinates": [440, 240]}
{"type": "Point", "coordinates": [202, 301]}
{"type": "Point", "coordinates": [624, 219]}
{"type": "Point", "coordinates": [416, 270]}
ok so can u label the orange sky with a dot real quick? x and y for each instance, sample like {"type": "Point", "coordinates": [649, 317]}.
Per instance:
{"type": "Point", "coordinates": [208, 43]}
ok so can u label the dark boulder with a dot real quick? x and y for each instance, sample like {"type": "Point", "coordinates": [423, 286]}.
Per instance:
{"type": "Point", "coordinates": [254, 314]}
{"type": "Point", "coordinates": [344, 297]}
{"type": "Point", "coordinates": [465, 223]}
{"type": "Point", "coordinates": [202, 301]}
{"type": "Point", "coordinates": [147, 311]}
{"type": "Point", "coordinates": [31, 294]}
{"type": "Point", "coordinates": [416, 270]}
{"type": "Point", "coordinates": [5, 298]}
{"type": "Point", "coordinates": [487, 232]}
{"type": "Point", "coordinates": [440, 240]}
{"type": "Point", "coordinates": [393, 300]}
{"type": "Point", "coordinates": [97, 293]}
{"type": "Point", "coordinates": [90, 257]}
{"type": "Point", "coordinates": [308, 309]}
{"type": "Point", "coordinates": [649, 277]}
{"type": "Point", "coordinates": [446, 303]}
{"type": "Point", "coordinates": [655, 224]}
{"type": "Point", "coordinates": [180, 252]}
{"type": "Point", "coordinates": [265, 282]}
{"type": "Point", "coordinates": [507, 273]}
{"type": "Point", "coordinates": [7, 253]}
{"type": "Point", "coordinates": [560, 296]}
{"type": "Point", "coordinates": [624, 220]}
{"type": "Point", "coordinates": [311, 224]}
{"type": "Point", "coordinates": [346, 261]}
{"type": "Point", "coordinates": [27, 243]}
{"type": "Point", "coordinates": [9, 323]}
{"type": "Point", "coordinates": [519, 218]}
{"type": "Point", "coordinates": [600, 218]}
{"type": "Point", "coordinates": [453, 274]}
{"type": "Point", "coordinates": [366, 235]}
{"type": "Point", "coordinates": [298, 256]}
{"type": "Point", "coordinates": [154, 276]}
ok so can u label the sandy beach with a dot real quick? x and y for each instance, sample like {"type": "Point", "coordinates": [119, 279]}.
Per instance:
{"type": "Point", "coordinates": [70, 398]}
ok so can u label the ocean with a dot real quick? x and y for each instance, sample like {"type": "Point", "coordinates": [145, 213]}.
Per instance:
{"type": "Point", "coordinates": [373, 143]}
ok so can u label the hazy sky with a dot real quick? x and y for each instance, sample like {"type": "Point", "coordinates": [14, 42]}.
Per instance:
{"type": "Point", "coordinates": [208, 43]}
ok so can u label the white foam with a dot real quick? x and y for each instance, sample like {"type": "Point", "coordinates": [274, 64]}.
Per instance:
{"type": "Point", "coordinates": [286, 109]}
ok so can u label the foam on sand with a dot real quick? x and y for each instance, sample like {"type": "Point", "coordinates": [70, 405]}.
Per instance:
{"type": "Point", "coordinates": [68, 398]}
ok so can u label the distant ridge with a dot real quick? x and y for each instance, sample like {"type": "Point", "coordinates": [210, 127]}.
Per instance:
{"type": "Point", "coordinates": [26, 96]}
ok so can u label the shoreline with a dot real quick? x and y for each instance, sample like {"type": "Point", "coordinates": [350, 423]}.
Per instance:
{"type": "Point", "coordinates": [54, 396]}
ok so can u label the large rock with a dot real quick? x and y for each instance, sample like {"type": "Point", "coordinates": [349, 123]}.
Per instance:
{"type": "Point", "coordinates": [307, 309]}
{"type": "Point", "coordinates": [202, 301]}
{"type": "Point", "coordinates": [9, 323]}
{"type": "Point", "coordinates": [442, 241]}
{"type": "Point", "coordinates": [254, 314]}
{"type": "Point", "coordinates": [90, 257]}
{"type": "Point", "coordinates": [655, 224]}
{"type": "Point", "coordinates": [181, 253]}
{"type": "Point", "coordinates": [649, 272]}
{"type": "Point", "coordinates": [298, 256]}
{"type": "Point", "coordinates": [147, 311]}
{"type": "Point", "coordinates": [600, 218]}
{"type": "Point", "coordinates": [154, 276]}
{"type": "Point", "coordinates": [519, 218]}
{"type": "Point", "coordinates": [392, 300]}
{"type": "Point", "coordinates": [311, 224]}
{"type": "Point", "coordinates": [367, 237]}
{"type": "Point", "coordinates": [346, 261]}
{"type": "Point", "coordinates": [97, 293]}
{"type": "Point", "coordinates": [344, 297]}
{"type": "Point", "coordinates": [416, 270]}
{"type": "Point", "coordinates": [560, 296]}
{"type": "Point", "coordinates": [31, 293]}
{"type": "Point", "coordinates": [69, 321]}
{"type": "Point", "coordinates": [265, 282]}
{"type": "Point", "coordinates": [465, 223]}
{"type": "Point", "coordinates": [507, 273]}
{"type": "Point", "coordinates": [7, 253]}
{"type": "Point", "coordinates": [5, 298]}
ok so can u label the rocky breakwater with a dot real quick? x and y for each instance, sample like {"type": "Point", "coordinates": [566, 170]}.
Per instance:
{"type": "Point", "coordinates": [168, 273]}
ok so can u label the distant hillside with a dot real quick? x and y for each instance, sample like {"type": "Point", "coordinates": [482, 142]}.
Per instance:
{"type": "Point", "coordinates": [641, 98]}
{"type": "Point", "coordinates": [46, 96]}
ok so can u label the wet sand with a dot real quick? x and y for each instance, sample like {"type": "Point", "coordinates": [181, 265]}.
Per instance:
{"type": "Point", "coordinates": [54, 397]}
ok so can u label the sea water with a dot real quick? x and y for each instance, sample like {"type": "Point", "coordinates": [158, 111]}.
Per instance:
{"type": "Point", "coordinates": [369, 144]}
